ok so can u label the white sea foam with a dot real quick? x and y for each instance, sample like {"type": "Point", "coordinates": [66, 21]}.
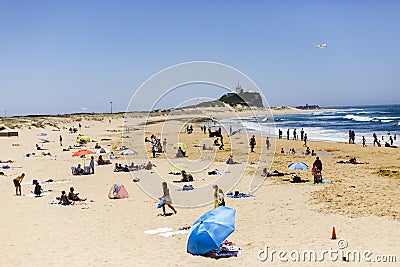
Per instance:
{"type": "Point", "coordinates": [358, 118]}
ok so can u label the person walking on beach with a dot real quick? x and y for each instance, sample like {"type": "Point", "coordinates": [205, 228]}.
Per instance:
{"type": "Point", "coordinates": [305, 139]}
{"type": "Point", "coordinates": [164, 144]}
{"type": "Point", "coordinates": [166, 199]}
{"type": "Point", "coordinates": [218, 196]}
{"type": "Point", "coordinates": [363, 141]}
{"type": "Point", "coordinates": [60, 140]}
{"type": "Point", "coordinates": [267, 143]}
{"type": "Point", "coordinates": [391, 140]}
{"type": "Point", "coordinates": [91, 164]}
{"type": "Point", "coordinates": [280, 134]}
{"type": "Point", "coordinates": [287, 134]}
{"type": "Point", "coordinates": [252, 143]}
{"type": "Point", "coordinates": [302, 134]}
{"type": "Point", "coordinates": [294, 135]}
{"type": "Point", "coordinates": [17, 183]}
{"type": "Point", "coordinates": [375, 138]}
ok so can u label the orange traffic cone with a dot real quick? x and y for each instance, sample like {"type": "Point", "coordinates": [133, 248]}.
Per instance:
{"type": "Point", "coordinates": [333, 233]}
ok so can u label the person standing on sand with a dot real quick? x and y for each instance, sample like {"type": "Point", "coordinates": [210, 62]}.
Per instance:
{"type": "Point", "coordinates": [375, 138]}
{"type": "Point", "coordinates": [252, 143]}
{"type": "Point", "coordinates": [164, 144]}
{"type": "Point", "coordinates": [218, 197]}
{"type": "Point", "coordinates": [267, 143]}
{"type": "Point", "coordinates": [363, 141]}
{"type": "Point", "coordinates": [318, 164]}
{"type": "Point", "coordinates": [305, 139]}
{"type": "Point", "coordinates": [91, 164]}
{"type": "Point", "coordinates": [166, 198]}
{"type": "Point", "coordinates": [294, 135]}
{"type": "Point", "coordinates": [60, 140]}
{"type": "Point", "coordinates": [302, 134]}
{"type": "Point", "coordinates": [17, 183]}
{"type": "Point", "coordinates": [287, 134]}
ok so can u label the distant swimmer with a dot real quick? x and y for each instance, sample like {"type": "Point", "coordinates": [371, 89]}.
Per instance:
{"type": "Point", "coordinates": [322, 46]}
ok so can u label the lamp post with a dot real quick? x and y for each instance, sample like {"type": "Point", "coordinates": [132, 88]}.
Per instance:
{"type": "Point", "coordinates": [111, 106]}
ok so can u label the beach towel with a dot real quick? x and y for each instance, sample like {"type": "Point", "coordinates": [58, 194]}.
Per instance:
{"type": "Point", "coordinates": [323, 182]}
{"type": "Point", "coordinates": [187, 187]}
{"type": "Point", "coordinates": [240, 195]}
{"type": "Point", "coordinates": [158, 230]}
{"type": "Point", "coordinates": [50, 181]}
{"type": "Point", "coordinates": [168, 234]}
{"type": "Point", "coordinates": [44, 193]}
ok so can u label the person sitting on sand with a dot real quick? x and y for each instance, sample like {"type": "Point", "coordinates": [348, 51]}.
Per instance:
{"type": "Point", "coordinates": [313, 153]}
{"type": "Point", "coordinates": [38, 147]}
{"type": "Point", "coordinates": [230, 160]}
{"type": "Point", "coordinates": [74, 196]}
{"type": "Point", "coordinates": [282, 151]}
{"type": "Point", "coordinates": [78, 170]}
{"type": "Point", "coordinates": [117, 167]}
{"type": "Point", "coordinates": [180, 153]}
{"type": "Point", "coordinates": [218, 196]}
{"type": "Point", "coordinates": [101, 161]}
{"type": "Point", "coordinates": [308, 152]}
{"type": "Point", "coordinates": [148, 166]}
{"type": "Point", "coordinates": [166, 199]}
{"type": "Point", "coordinates": [17, 183]}
{"type": "Point", "coordinates": [186, 177]}
{"type": "Point", "coordinates": [97, 146]}
{"type": "Point", "coordinates": [216, 142]}
{"type": "Point", "coordinates": [112, 156]}
{"type": "Point", "coordinates": [64, 199]}
{"type": "Point", "coordinates": [38, 189]}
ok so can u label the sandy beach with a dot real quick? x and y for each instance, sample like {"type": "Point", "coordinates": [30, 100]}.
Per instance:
{"type": "Point", "coordinates": [361, 201]}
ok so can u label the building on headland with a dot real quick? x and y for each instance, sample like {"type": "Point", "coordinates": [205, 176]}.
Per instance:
{"type": "Point", "coordinates": [242, 97]}
{"type": "Point", "coordinates": [307, 106]}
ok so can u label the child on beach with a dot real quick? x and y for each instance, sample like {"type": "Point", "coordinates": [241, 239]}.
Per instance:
{"type": "Point", "coordinates": [64, 199]}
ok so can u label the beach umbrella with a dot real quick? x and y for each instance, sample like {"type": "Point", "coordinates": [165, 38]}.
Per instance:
{"type": "Point", "coordinates": [210, 230]}
{"type": "Point", "coordinates": [102, 150]}
{"type": "Point", "coordinates": [128, 152]}
{"type": "Point", "coordinates": [82, 152]}
{"type": "Point", "coordinates": [181, 145]}
{"type": "Point", "coordinates": [298, 166]}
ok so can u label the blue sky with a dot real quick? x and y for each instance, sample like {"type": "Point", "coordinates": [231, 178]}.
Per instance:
{"type": "Point", "coordinates": [60, 56]}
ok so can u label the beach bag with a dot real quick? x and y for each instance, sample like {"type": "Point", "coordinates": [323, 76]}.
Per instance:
{"type": "Point", "coordinates": [161, 203]}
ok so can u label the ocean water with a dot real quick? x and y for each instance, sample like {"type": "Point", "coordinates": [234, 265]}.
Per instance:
{"type": "Point", "coordinates": [332, 125]}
